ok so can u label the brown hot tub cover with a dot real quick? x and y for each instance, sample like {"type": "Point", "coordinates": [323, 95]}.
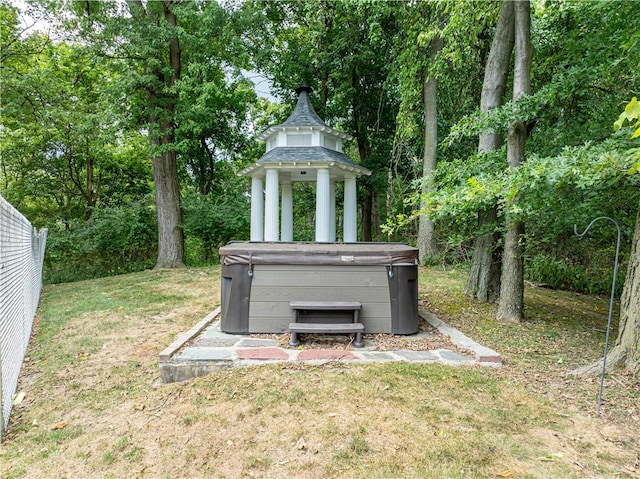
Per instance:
{"type": "Point", "coordinates": [251, 253]}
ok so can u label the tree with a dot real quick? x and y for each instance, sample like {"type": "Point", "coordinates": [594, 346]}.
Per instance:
{"type": "Point", "coordinates": [511, 304]}
{"type": "Point", "coordinates": [483, 282]}
{"type": "Point", "coordinates": [161, 116]}
{"type": "Point", "coordinates": [179, 82]}
{"type": "Point", "coordinates": [626, 352]}
{"type": "Point", "coordinates": [65, 148]}
{"type": "Point", "coordinates": [426, 243]}
{"type": "Point", "coordinates": [143, 38]}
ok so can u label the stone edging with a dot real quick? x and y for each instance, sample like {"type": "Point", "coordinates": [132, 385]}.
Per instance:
{"type": "Point", "coordinates": [184, 338]}
{"type": "Point", "coordinates": [483, 355]}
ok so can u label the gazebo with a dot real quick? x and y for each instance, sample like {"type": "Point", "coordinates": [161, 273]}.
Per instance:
{"type": "Point", "coordinates": [303, 148]}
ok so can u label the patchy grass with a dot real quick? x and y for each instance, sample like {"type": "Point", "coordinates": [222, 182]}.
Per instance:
{"type": "Point", "coordinates": [563, 331]}
{"type": "Point", "coordinates": [94, 408]}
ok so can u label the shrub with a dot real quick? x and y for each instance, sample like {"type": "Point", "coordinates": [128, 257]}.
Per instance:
{"type": "Point", "coordinates": [211, 222]}
{"type": "Point", "coordinates": [112, 241]}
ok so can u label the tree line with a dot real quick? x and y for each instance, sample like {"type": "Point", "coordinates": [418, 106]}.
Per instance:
{"type": "Point", "coordinates": [488, 126]}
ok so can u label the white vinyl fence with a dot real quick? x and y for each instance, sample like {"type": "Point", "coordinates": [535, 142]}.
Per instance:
{"type": "Point", "coordinates": [21, 255]}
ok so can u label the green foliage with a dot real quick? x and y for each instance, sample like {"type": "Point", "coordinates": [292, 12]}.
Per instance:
{"type": "Point", "coordinates": [64, 145]}
{"type": "Point", "coordinates": [586, 58]}
{"type": "Point", "coordinates": [631, 114]}
{"type": "Point", "coordinates": [212, 221]}
{"type": "Point", "coordinates": [113, 241]}
{"type": "Point", "coordinates": [561, 273]}
{"type": "Point", "coordinates": [554, 193]}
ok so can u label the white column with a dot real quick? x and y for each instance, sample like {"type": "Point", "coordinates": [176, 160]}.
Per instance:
{"type": "Point", "coordinates": [323, 204]}
{"type": "Point", "coordinates": [287, 211]}
{"type": "Point", "coordinates": [271, 213]}
{"type": "Point", "coordinates": [350, 209]}
{"type": "Point", "coordinates": [257, 209]}
{"type": "Point", "coordinates": [332, 212]}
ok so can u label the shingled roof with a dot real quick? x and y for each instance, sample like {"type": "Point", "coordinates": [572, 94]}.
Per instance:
{"type": "Point", "coordinates": [304, 116]}
{"type": "Point", "coordinates": [308, 154]}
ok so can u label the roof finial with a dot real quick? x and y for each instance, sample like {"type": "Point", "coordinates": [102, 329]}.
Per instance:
{"type": "Point", "coordinates": [302, 88]}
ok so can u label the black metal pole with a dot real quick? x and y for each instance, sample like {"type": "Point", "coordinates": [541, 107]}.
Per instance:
{"type": "Point", "coordinates": [613, 291]}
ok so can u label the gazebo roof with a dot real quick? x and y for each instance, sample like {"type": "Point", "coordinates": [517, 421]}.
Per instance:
{"type": "Point", "coordinates": [307, 156]}
{"type": "Point", "coordinates": [304, 116]}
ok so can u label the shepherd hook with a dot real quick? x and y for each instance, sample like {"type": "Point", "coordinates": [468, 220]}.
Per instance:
{"type": "Point", "coordinates": [613, 290]}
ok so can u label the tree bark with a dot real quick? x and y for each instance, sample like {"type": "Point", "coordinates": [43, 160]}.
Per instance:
{"type": "Point", "coordinates": [170, 234]}
{"type": "Point", "coordinates": [511, 303]}
{"type": "Point", "coordinates": [367, 212]}
{"type": "Point", "coordinates": [165, 165]}
{"type": "Point", "coordinates": [364, 150]}
{"type": "Point", "coordinates": [427, 247]}
{"type": "Point", "coordinates": [484, 276]}
{"type": "Point", "coordinates": [626, 352]}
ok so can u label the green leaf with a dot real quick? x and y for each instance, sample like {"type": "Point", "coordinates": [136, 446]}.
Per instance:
{"type": "Point", "coordinates": [632, 110]}
{"type": "Point", "coordinates": [620, 121]}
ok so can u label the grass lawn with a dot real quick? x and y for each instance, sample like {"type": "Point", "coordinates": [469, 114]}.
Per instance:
{"type": "Point", "coordinates": [93, 407]}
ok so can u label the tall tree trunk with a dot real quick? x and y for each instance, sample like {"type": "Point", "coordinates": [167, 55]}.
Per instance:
{"type": "Point", "coordinates": [170, 234]}
{"type": "Point", "coordinates": [427, 247]}
{"type": "Point", "coordinates": [375, 217]}
{"type": "Point", "coordinates": [511, 304]}
{"type": "Point", "coordinates": [165, 166]}
{"type": "Point", "coordinates": [364, 150]}
{"type": "Point", "coordinates": [367, 212]}
{"type": "Point", "coordinates": [484, 276]}
{"type": "Point", "coordinates": [626, 352]}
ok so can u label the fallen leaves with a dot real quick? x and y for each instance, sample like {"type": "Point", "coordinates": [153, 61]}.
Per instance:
{"type": "Point", "coordinates": [59, 425]}
{"type": "Point", "coordinates": [19, 398]}
{"type": "Point", "coordinates": [301, 445]}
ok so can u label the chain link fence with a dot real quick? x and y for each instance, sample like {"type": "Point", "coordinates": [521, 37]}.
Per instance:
{"type": "Point", "coordinates": [21, 255]}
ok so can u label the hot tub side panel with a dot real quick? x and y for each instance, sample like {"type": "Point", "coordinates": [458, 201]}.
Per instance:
{"type": "Point", "coordinates": [274, 286]}
{"type": "Point", "coordinates": [234, 302]}
{"type": "Point", "coordinates": [403, 289]}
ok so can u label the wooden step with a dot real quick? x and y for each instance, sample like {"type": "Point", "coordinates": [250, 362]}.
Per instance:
{"type": "Point", "coordinates": [326, 305]}
{"type": "Point", "coordinates": [326, 328]}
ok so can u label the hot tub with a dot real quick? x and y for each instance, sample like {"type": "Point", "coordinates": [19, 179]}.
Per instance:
{"type": "Point", "coordinates": [260, 279]}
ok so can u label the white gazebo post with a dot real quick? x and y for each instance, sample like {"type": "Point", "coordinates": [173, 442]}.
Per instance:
{"type": "Point", "coordinates": [257, 209]}
{"type": "Point", "coordinates": [271, 219]}
{"type": "Point", "coordinates": [323, 204]}
{"type": "Point", "coordinates": [287, 211]}
{"type": "Point", "coordinates": [332, 212]}
{"type": "Point", "coordinates": [350, 209]}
